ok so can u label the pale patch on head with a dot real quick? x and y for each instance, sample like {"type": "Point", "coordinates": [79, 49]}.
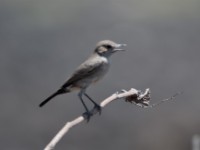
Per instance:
{"type": "Point", "coordinates": [102, 50]}
{"type": "Point", "coordinates": [106, 42]}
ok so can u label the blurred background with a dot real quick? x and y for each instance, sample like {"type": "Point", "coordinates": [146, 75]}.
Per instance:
{"type": "Point", "coordinates": [43, 41]}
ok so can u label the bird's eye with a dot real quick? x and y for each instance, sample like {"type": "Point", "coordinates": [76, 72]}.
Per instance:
{"type": "Point", "coordinates": [108, 46]}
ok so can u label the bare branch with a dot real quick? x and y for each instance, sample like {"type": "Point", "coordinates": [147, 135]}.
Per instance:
{"type": "Point", "coordinates": [143, 99]}
{"type": "Point", "coordinates": [133, 96]}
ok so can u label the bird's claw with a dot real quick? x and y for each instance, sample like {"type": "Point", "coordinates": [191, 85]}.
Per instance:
{"type": "Point", "coordinates": [87, 115]}
{"type": "Point", "coordinates": [98, 108]}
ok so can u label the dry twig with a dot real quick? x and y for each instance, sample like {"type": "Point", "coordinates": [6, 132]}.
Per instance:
{"type": "Point", "coordinates": [133, 96]}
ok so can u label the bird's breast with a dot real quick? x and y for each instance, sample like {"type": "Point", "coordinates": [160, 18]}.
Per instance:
{"type": "Point", "coordinates": [101, 72]}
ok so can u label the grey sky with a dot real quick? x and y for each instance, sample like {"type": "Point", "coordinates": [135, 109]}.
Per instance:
{"type": "Point", "coordinates": [43, 41]}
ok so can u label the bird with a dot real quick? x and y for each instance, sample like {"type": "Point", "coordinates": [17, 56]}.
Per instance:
{"type": "Point", "coordinates": [89, 72]}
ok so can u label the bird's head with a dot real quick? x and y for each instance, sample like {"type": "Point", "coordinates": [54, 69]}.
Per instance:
{"type": "Point", "coordinates": [107, 48]}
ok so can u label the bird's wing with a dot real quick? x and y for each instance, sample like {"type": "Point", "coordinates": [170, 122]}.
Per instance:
{"type": "Point", "coordinates": [83, 71]}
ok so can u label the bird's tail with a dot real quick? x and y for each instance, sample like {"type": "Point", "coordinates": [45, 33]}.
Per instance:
{"type": "Point", "coordinates": [60, 91]}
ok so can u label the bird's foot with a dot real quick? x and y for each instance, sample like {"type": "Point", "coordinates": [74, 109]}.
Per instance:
{"type": "Point", "coordinates": [87, 115]}
{"type": "Point", "coordinates": [98, 108]}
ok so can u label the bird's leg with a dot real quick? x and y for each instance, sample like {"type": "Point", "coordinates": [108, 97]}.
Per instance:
{"type": "Point", "coordinates": [87, 114]}
{"type": "Point", "coordinates": [97, 106]}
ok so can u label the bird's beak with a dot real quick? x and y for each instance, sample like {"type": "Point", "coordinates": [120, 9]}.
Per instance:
{"type": "Point", "coordinates": [119, 47]}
